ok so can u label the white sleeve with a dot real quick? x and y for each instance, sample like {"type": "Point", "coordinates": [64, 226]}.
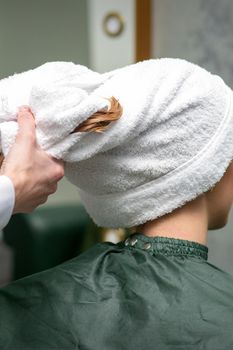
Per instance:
{"type": "Point", "coordinates": [7, 200]}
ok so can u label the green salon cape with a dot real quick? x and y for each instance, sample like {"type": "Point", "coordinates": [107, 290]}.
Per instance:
{"type": "Point", "coordinates": [143, 293]}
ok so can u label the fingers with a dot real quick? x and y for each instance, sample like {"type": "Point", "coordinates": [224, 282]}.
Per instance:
{"type": "Point", "coordinates": [26, 124]}
{"type": "Point", "coordinates": [58, 174]}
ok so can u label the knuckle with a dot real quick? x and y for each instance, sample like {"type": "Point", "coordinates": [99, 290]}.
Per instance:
{"type": "Point", "coordinates": [59, 172]}
{"type": "Point", "coordinates": [53, 189]}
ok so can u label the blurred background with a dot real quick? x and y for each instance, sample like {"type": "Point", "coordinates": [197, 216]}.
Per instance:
{"type": "Point", "coordinates": [103, 35]}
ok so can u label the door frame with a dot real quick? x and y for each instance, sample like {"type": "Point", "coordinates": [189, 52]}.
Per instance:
{"type": "Point", "coordinates": [143, 35]}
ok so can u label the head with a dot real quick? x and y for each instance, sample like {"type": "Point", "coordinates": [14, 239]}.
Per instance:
{"type": "Point", "coordinates": [172, 144]}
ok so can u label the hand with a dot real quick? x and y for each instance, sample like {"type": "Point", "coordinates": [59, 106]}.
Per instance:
{"type": "Point", "coordinates": [33, 172]}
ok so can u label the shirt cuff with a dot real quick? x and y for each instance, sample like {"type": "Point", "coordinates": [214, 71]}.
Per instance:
{"type": "Point", "coordinates": [7, 200]}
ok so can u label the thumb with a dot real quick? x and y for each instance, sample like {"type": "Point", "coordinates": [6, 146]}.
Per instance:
{"type": "Point", "coordinates": [26, 122]}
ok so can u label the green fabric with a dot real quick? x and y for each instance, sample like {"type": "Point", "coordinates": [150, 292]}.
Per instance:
{"type": "Point", "coordinates": [143, 293]}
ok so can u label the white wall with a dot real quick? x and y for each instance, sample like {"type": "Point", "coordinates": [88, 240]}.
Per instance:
{"type": "Point", "coordinates": [107, 53]}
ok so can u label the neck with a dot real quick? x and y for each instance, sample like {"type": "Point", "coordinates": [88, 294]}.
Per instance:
{"type": "Point", "coordinates": [189, 222]}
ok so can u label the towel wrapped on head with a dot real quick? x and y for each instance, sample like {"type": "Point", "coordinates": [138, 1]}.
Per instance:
{"type": "Point", "coordinates": [173, 141]}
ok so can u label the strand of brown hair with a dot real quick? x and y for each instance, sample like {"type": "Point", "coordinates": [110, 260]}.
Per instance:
{"type": "Point", "coordinates": [100, 120]}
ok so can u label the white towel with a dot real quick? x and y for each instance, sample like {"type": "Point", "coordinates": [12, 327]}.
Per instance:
{"type": "Point", "coordinates": [58, 93]}
{"type": "Point", "coordinates": [173, 142]}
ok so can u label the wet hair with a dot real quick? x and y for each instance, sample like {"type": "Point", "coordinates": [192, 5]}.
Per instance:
{"type": "Point", "coordinates": [99, 121]}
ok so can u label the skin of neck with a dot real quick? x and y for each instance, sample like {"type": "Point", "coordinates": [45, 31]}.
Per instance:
{"type": "Point", "coordinates": [189, 222]}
